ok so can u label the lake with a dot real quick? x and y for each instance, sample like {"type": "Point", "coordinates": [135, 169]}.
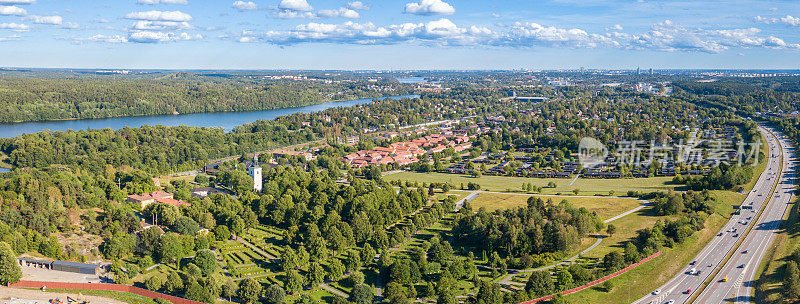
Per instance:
{"type": "Point", "coordinates": [226, 120]}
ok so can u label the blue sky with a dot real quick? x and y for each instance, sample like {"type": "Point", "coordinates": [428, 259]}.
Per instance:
{"type": "Point", "coordinates": [402, 34]}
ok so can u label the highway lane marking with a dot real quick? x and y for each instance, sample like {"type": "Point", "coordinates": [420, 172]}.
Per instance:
{"type": "Point", "coordinates": [769, 231]}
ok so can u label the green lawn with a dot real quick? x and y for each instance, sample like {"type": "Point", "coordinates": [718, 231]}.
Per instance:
{"type": "Point", "coordinates": [605, 207]}
{"type": "Point", "coordinates": [627, 228]}
{"type": "Point", "coordinates": [505, 183]}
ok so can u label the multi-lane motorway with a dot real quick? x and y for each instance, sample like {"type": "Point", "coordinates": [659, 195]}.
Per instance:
{"type": "Point", "coordinates": [734, 281]}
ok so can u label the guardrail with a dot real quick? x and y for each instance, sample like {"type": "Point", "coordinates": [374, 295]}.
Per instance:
{"type": "Point", "coordinates": [104, 286]}
{"type": "Point", "coordinates": [595, 282]}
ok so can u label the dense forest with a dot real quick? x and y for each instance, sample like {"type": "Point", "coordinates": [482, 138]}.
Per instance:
{"type": "Point", "coordinates": [86, 97]}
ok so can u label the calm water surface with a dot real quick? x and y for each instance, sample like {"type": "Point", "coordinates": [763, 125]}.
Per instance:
{"type": "Point", "coordinates": [226, 120]}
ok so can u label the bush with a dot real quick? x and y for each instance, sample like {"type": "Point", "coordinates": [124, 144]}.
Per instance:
{"type": "Point", "coordinates": [608, 286]}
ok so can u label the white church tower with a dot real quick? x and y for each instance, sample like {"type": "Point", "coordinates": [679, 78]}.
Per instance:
{"type": "Point", "coordinates": [255, 172]}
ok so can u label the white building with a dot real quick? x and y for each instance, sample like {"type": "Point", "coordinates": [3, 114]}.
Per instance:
{"type": "Point", "coordinates": [255, 172]}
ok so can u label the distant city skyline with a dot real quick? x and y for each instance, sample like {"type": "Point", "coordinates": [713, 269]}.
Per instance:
{"type": "Point", "coordinates": [400, 35]}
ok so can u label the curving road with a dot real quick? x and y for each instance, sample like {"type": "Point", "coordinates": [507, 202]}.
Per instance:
{"type": "Point", "coordinates": [740, 268]}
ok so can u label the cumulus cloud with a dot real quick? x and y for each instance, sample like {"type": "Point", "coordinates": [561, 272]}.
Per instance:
{"type": "Point", "coordinates": [788, 20]}
{"type": "Point", "coordinates": [289, 14]}
{"type": "Point", "coordinates": [358, 5]}
{"type": "Point", "coordinates": [615, 27]}
{"type": "Point", "coordinates": [17, 1]}
{"type": "Point", "coordinates": [155, 37]}
{"type": "Point", "coordinates": [295, 5]}
{"type": "Point", "coordinates": [340, 12]}
{"type": "Point", "coordinates": [245, 6]}
{"type": "Point", "coordinates": [664, 36]}
{"type": "Point", "coordinates": [671, 37]}
{"type": "Point", "coordinates": [439, 32]}
{"type": "Point", "coordinates": [176, 16]}
{"type": "Point", "coordinates": [53, 20]}
{"type": "Point", "coordinates": [184, 2]}
{"type": "Point", "coordinates": [534, 34]}
{"type": "Point", "coordinates": [18, 27]}
{"type": "Point", "coordinates": [12, 10]}
{"type": "Point", "coordinates": [160, 25]}
{"type": "Point", "coordinates": [430, 7]}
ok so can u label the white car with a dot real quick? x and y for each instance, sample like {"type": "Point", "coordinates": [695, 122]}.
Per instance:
{"type": "Point", "coordinates": [657, 291]}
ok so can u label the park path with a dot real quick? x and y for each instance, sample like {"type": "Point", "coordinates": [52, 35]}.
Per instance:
{"type": "Point", "coordinates": [333, 290]}
{"type": "Point", "coordinates": [507, 280]}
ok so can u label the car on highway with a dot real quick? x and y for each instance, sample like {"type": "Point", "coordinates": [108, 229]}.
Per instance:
{"type": "Point", "coordinates": [742, 266]}
{"type": "Point", "coordinates": [657, 291]}
{"type": "Point", "coordinates": [725, 279]}
{"type": "Point", "coordinates": [688, 291]}
{"type": "Point", "coordinates": [744, 252]}
{"type": "Point", "coordinates": [736, 235]}
{"type": "Point", "coordinates": [671, 302]}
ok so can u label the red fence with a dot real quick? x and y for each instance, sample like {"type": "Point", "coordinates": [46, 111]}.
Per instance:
{"type": "Point", "coordinates": [104, 286]}
{"type": "Point", "coordinates": [595, 282]}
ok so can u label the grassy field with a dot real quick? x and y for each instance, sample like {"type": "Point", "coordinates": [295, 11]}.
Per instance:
{"type": "Point", "coordinates": [627, 227]}
{"type": "Point", "coordinates": [514, 184]}
{"type": "Point", "coordinates": [605, 207]}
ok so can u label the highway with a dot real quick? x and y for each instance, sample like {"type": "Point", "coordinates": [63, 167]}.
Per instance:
{"type": "Point", "coordinates": [740, 268]}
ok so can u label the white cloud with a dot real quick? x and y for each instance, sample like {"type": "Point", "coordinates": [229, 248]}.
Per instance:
{"type": "Point", "coordinates": [439, 32]}
{"type": "Point", "coordinates": [788, 20]}
{"type": "Point", "coordinates": [12, 10]}
{"type": "Point", "coordinates": [70, 26]}
{"type": "Point", "coordinates": [18, 27]}
{"type": "Point", "coordinates": [154, 37]}
{"type": "Point", "coordinates": [245, 6]}
{"type": "Point", "coordinates": [670, 37]}
{"type": "Point", "coordinates": [534, 34]}
{"type": "Point", "coordinates": [358, 5]}
{"type": "Point", "coordinates": [160, 25]}
{"type": "Point", "coordinates": [289, 14]}
{"type": "Point", "coordinates": [10, 38]}
{"type": "Point", "coordinates": [615, 27]}
{"type": "Point", "coordinates": [664, 36]}
{"type": "Point", "coordinates": [54, 20]}
{"type": "Point", "coordinates": [17, 1]}
{"type": "Point", "coordinates": [430, 7]}
{"type": "Point", "coordinates": [340, 12]}
{"type": "Point", "coordinates": [295, 5]}
{"type": "Point", "coordinates": [184, 2]}
{"type": "Point", "coordinates": [104, 38]}
{"type": "Point", "coordinates": [176, 16]}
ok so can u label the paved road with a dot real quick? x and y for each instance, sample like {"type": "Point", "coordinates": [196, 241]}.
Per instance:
{"type": "Point", "coordinates": [684, 285]}
{"type": "Point", "coordinates": [741, 268]}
